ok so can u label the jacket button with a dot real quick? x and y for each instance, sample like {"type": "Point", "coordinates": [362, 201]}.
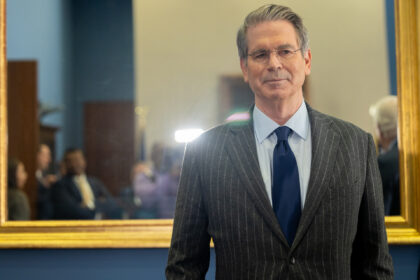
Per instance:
{"type": "Point", "coordinates": [292, 260]}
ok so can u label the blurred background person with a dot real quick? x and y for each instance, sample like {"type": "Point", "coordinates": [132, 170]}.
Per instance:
{"type": "Point", "coordinates": [156, 184]}
{"type": "Point", "coordinates": [385, 117]}
{"type": "Point", "coordinates": [45, 181]}
{"type": "Point", "coordinates": [128, 201]}
{"type": "Point", "coordinates": [145, 191]}
{"type": "Point", "coordinates": [78, 196]}
{"type": "Point", "coordinates": [17, 201]}
{"type": "Point", "coordinates": [167, 182]}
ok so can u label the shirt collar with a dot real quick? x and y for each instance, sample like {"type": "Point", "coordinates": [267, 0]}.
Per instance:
{"type": "Point", "coordinates": [384, 151]}
{"type": "Point", "coordinates": [264, 126]}
{"type": "Point", "coordinates": [80, 177]}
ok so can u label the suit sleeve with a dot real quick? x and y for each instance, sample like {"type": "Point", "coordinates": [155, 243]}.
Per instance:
{"type": "Point", "coordinates": [99, 189]}
{"type": "Point", "coordinates": [189, 253]}
{"type": "Point", "coordinates": [370, 257]}
{"type": "Point", "coordinates": [104, 201]}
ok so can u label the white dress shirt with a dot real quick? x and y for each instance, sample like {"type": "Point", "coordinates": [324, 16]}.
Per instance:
{"type": "Point", "coordinates": [299, 140]}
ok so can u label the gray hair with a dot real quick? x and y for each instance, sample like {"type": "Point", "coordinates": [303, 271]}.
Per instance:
{"type": "Point", "coordinates": [385, 115]}
{"type": "Point", "coordinates": [271, 12]}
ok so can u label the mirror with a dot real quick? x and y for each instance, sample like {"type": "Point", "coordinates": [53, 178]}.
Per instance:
{"type": "Point", "coordinates": [96, 87]}
{"type": "Point", "coordinates": [156, 233]}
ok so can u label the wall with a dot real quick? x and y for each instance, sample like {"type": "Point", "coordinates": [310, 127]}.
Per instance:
{"type": "Point", "coordinates": [391, 47]}
{"type": "Point", "coordinates": [84, 51]}
{"type": "Point", "coordinates": [125, 264]}
{"type": "Point", "coordinates": [183, 47]}
{"type": "Point", "coordinates": [39, 30]}
{"type": "Point", "coordinates": [102, 56]}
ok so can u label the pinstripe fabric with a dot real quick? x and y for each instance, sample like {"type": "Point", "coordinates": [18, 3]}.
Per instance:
{"type": "Point", "coordinates": [341, 234]}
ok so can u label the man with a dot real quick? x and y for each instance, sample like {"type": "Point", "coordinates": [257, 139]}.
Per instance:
{"type": "Point", "coordinates": [45, 181]}
{"type": "Point", "coordinates": [290, 194]}
{"type": "Point", "coordinates": [78, 196]}
{"type": "Point", "coordinates": [385, 116]}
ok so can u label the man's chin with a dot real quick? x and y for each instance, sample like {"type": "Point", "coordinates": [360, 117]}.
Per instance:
{"type": "Point", "coordinates": [279, 94]}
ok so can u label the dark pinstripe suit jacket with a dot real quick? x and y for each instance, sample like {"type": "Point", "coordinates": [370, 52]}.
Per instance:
{"type": "Point", "coordinates": [341, 234]}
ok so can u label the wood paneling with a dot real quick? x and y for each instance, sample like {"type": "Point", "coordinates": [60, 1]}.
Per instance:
{"type": "Point", "coordinates": [234, 95]}
{"type": "Point", "coordinates": [23, 122]}
{"type": "Point", "coordinates": [109, 142]}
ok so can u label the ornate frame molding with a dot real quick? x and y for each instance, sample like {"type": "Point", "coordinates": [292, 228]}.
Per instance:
{"type": "Point", "coordinates": [404, 229]}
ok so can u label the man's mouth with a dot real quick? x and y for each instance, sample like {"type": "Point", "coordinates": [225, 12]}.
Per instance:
{"type": "Point", "coordinates": [274, 80]}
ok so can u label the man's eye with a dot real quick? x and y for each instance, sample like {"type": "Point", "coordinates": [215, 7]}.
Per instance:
{"type": "Point", "coordinates": [285, 52]}
{"type": "Point", "coordinates": [260, 55]}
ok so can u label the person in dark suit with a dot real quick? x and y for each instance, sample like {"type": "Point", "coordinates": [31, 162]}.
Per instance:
{"type": "Point", "coordinates": [45, 181]}
{"type": "Point", "coordinates": [78, 196]}
{"type": "Point", "coordinates": [385, 116]}
{"type": "Point", "coordinates": [290, 193]}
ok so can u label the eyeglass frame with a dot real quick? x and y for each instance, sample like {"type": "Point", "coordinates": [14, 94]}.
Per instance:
{"type": "Point", "coordinates": [265, 60]}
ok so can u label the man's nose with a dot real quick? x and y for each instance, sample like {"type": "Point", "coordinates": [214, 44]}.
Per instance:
{"type": "Point", "coordinates": [274, 61]}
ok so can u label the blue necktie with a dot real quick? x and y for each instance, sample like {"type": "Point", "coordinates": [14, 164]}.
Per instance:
{"type": "Point", "coordinates": [286, 189]}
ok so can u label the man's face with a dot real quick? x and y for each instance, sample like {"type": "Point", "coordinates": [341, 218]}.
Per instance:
{"type": "Point", "coordinates": [21, 176]}
{"type": "Point", "coordinates": [75, 163]}
{"type": "Point", "coordinates": [278, 79]}
{"type": "Point", "coordinates": [44, 157]}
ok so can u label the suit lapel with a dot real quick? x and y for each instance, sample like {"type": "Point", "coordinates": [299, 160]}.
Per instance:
{"type": "Point", "coordinates": [325, 142]}
{"type": "Point", "coordinates": [242, 149]}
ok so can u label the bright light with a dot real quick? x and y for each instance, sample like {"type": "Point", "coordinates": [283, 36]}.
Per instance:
{"type": "Point", "coordinates": [187, 135]}
{"type": "Point", "coordinates": [240, 116]}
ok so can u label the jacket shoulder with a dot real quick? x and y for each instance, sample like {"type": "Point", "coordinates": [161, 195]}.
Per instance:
{"type": "Point", "coordinates": [342, 127]}
{"type": "Point", "coordinates": [215, 140]}
{"type": "Point", "coordinates": [211, 136]}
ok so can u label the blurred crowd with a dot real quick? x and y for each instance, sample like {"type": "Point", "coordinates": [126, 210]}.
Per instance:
{"type": "Point", "coordinates": [70, 193]}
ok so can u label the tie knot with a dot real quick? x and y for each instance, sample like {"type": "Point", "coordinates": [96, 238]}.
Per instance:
{"type": "Point", "coordinates": [282, 133]}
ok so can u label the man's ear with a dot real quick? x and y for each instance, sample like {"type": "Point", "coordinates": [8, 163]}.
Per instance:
{"type": "Point", "coordinates": [244, 67]}
{"type": "Point", "coordinates": [308, 59]}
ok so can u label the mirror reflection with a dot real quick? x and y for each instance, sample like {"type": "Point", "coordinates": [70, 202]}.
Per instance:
{"type": "Point", "coordinates": [103, 95]}
{"type": "Point", "coordinates": [385, 117]}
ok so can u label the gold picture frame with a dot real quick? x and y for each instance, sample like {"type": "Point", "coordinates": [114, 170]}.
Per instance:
{"type": "Point", "coordinates": [402, 229]}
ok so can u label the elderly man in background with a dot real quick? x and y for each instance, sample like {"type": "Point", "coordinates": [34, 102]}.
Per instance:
{"type": "Point", "coordinates": [385, 117]}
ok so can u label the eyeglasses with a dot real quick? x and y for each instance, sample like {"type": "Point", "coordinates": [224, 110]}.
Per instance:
{"type": "Point", "coordinates": [263, 56]}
